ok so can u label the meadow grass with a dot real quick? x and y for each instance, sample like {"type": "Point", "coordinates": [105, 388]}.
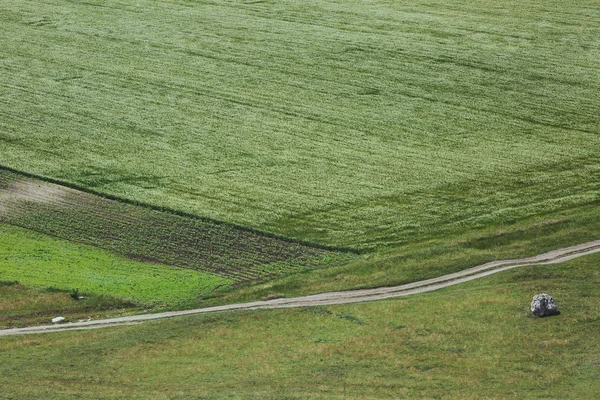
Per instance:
{"type": "Point", "coordinates": [430, 136]}
{"type": "Point", "coordinates": [22, 306]}
{"type": "Point", "coordinates": [361, 124]}
{"type": "Point", "coordinates": [472, 341]}
{"type": "Point", "coordinates": [440, 255]}
{"type": "Point", "coordinates": [46, 262]}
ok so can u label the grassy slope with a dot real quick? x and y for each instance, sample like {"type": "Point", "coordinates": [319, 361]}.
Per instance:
{"type": "Point", "coordinates": [43, 261]}
{"type": "Point", "coordinates": [353, 124]}
{"type": "Point", "coordinates": [431, 258]}
{"type": "Point", "coordinates": [476, 340]}
{"type": "Point", "coordinates": [348, 123]}
{"type": "Point", "coordinates": [22, 305]}
{"type": "Point", "coordinates": [68, 266]}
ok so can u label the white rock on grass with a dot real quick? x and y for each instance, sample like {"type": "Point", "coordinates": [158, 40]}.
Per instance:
{"type": "Point", "coordinates": [57, 320]}
{"type": "Point", "coordinates": [543, 305]}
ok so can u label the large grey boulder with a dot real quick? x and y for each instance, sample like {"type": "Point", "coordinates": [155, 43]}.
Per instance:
{"type": "Point", "coordinates": [543, 305]}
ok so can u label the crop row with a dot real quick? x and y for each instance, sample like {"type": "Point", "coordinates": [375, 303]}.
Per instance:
{"type": "Point", "coordinates": [149, 235]}
{"type": "Point", "coordinates": [45, 262]}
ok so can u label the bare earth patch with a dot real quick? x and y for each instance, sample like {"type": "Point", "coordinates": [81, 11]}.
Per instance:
{"type": "Point", "coordinates": [21, 191]}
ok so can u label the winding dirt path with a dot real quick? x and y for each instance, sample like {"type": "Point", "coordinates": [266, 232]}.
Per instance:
{"type": "Point", "coordinates": [330, 298]}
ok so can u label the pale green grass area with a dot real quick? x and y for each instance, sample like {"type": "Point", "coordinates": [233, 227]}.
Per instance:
{"type": "Point", "coordinates": [42, 261]}
{"type": "Point", "coordinates": [351, 123]}
{"type": "Point", "coordinates": [472, 341]}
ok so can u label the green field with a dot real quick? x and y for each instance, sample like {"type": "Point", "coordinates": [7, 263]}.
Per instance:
{"type": "Point", "coordinates": [46, 262]}
{"type": "Point", "coordinates": [362, 124]}
{"type": "Point", "coordinates": [432, 258]}
{"type": "Point", "coordinates": [473, 341]}
{"type": "Point", "coordinates": [170, 154]}
{"type": "Point", "coordinates": [22, 306]}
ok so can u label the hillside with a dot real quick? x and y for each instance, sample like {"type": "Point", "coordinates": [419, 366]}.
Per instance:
{"type": "Point", "coordinates": [361, 124]}
{"type": "Point", "coordinates": [471, 341]}
{"type": "Point", "coordinates": [161, 155]}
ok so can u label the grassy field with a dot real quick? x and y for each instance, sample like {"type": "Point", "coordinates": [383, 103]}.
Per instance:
{"type": "Point", "coordinates": [473, 341]}
{"type": "Point", "coordinates": [427, 136]}
{"type": "Point", "coordinates": [22, 306]}
{"type": "Point", "coordinates": [362, 124]}
{"type": "Point", "coordinates": [46, 262]}
{"type": "Point", "coordinates": [113, 285]}
{"type": "Point", "coordinates": [432, 258]}
{"type": "Point", "coordinates": [225, 255]}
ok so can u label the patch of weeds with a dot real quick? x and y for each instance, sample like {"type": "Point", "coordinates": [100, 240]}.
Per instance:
{"type": "Point", "coordinates": [352, 318]}
{"type": "Point", "coordinates": [318, 310]}
{"type": "Point", "coordinates": [75, 295]}
{"type": "Point", "coordinates": [9, 283]}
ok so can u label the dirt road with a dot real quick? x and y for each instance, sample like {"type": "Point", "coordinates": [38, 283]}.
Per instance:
{"type": "Point", "coordinates": [352, 296]}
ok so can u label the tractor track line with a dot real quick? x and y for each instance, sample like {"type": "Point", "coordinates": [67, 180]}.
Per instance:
{"type": "Point", "coordinates": [344, 297]}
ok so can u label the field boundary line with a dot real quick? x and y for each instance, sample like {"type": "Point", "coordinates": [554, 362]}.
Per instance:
{"type": "Point", "coordinates": [184, 214]}
{"type": "Point", "coordinates": [342, 297]}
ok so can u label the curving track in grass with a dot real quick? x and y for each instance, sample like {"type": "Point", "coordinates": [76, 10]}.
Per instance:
{"type": "Point", "coordinates": [352, 296]}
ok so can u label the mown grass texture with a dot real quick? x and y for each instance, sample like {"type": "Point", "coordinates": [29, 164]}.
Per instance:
{"type": "Point", "coordinates": [472, 341]}
{"type": "Point", "coordinates": [363, 124]}
{"type": "Point", "coordinates": [42, 261]}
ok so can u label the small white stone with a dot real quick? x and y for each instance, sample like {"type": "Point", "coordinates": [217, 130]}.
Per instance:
{"type": "Point", "coordinates": [57, 320]}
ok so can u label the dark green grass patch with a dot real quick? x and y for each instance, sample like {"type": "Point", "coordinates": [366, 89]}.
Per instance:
{"type": "Point", "coordinates": [149, 235]}
{"type": "Point", "coordinates": [351, 123]}
{"type": "Point", "coordinates": [473, 341]}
